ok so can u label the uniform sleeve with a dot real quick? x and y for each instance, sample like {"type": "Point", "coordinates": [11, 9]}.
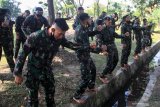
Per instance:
{"type": "Point", "coordinates": [25, 28]}
{"type": "Point", "coordinates": [46, 24]}
{"type": "Point", "coordinates": [118, 36]}
{"type": "Point", "coordinates": [122, 30]}
{"type": "Point", "coordinates": [17, 25]}
{"type": "Point", "coordinates": [28, 46]}
{"type": "Point", "coordinates": [93, 33]}
{"type": "Point", "coordinates": [69, 44]}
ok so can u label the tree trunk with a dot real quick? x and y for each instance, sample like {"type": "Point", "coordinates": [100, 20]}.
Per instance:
{"type": "Point", "coordinates": [51, 15]}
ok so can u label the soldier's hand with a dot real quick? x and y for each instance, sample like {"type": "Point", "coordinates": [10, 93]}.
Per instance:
{"type": "Point", "coordinates": [127, 33]}
{"type": "Point", "coordinates": [99, 27]}
{"type": "Point", "coordinates": [104, 48]}
{"type": "Point", "coordinates": [18, 80]}
{"type": "Point", "coordinates": [93, 45]}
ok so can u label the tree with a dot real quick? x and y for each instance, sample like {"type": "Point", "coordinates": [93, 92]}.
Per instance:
{"type": "Point", "coordinates": [12, 5]}
{"type": "Point", "coordinates": [51, 13]}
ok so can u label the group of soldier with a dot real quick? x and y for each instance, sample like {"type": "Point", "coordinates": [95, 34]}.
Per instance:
{"type": "Point", "coordinates": [42, 45]}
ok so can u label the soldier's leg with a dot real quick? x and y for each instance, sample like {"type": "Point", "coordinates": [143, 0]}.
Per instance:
{"type": "Point", "coordinates": [32, 85]}
{"type": "Point", "coordinates": [128, 52]}
{"type": "Point", "coordinates": [150, 40]}
{"type": "Point", "coordinates": [115, 59]}
{"type": "Point", "coordinates": [124, 57]}
{"type": "Point", "coordinates": [8, 50]}
{"type": "Point", "coordinates": [93, 75]}
{"type": "Point", "coordinates": [49, 87]}
{"type": "Point", "coordinates": [85, 75]}
{"type": "Point", "coordinates": [109, 62]}
{"type": "Point", "coordinates": [17, 45]}
{"type": "Point", "coordinates": [137, 45]}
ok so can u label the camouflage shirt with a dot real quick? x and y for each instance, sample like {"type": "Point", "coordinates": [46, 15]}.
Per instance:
{"type": "Point", "coordinates": [82, 35]}
{"type": "Point", "coordinates": [126, 27]}
{"type": "Point", "coordinates": [32, 24]}
{"type": "Point", "coordinates": [108, 36]}
{"type": "Point", "coordinates": [40, 49]}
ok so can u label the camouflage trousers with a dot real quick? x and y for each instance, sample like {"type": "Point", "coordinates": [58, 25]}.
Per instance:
{"type": "Point", "coordinates": [88, 75]}
{"type": "Point", "coordinates": [6, 44]}
{"type": "Point", "coordinates": [20, 39]}
{"type": "Point", "coordinates": [138, 44]}
{"type": "Point", "coordinates": [35, 77]}
{"type": "Point", "coordinates": [126, 50]}
{"type": "Point", "coordinates": [111, 59]}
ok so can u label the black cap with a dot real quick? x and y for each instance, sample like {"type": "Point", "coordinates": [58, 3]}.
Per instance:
{"type": "Point", "coordinates": [38, 9]}
{"type": "Point", "coordinates": [99, 22]}
{"type": "Point", "coordinates": [61, 23]}
{"type": "Point", "coordinates": [107, 18]}
{"type": "Point", "coordinates": [83, 16]}
{"type": "Point", "coordinates": [80, 8]}
{"type": "Point", "coordinates": [27, 11]}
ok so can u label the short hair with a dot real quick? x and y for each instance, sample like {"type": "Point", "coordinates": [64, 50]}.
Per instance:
{"type": "Point", "coordinates": [38, 9]}
{"type": "Point", "coordinates": [99, 22]}
{"type": "Point", "coordinates": [144, 20]}
{"type": "Point", "coordinates": [61, 23]}
{"type": "Point", "coordinates": [80, 8]}
{"type": "Point", "coordinates": [27, 11]}
{"type": "Point", "coordinates": [83, 16]}
{"type": "Point", "coordinates": [107, 18]}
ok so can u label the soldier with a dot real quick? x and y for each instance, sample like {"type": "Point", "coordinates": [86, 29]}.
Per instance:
{"type": "Point", "coordinates": [99, 22]}
{"type": "Point", "coordinates": [138, 35]}
{"type": "Point", "coordinates": [6, 37]}
{"type": "Point", "coordinates": [20, 37]}
{"type": "Point", "coordinates": [87, 66]}
{"type": "Point", "coordinates": [103, 15]}
{"type": "Point", "coordinates": [76, 21]}
{"type": "Point", "coordinates": [114, 18]}
{"type": "Point", "coordinates": [126, 42]}
{"type": "Point", "coordinates": [34, 22]}
{"type": "Point", "coordinates": [107, 38]}
{"type": "Point", "coordinates": [41, 47]}
{"type": "Point", "coordinates": [147, 39]}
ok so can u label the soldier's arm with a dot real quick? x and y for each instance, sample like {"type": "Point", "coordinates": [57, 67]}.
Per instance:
{"type": "Point", "coordinates": [93, 33]}
{"type": "Point", "coordinates": [118, 36]}
{"type": "Point", "coordinates": [28, 45]}
{"type": "Point", "coordinates": [25, 28]}
{"type": "Point", "coordinates": [70, 45]}
{"type": "Point", "coordinates": [46, 24]}
{"type": "Point", "coordinates": [17, 25]}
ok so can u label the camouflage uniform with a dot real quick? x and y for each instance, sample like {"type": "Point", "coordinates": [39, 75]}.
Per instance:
{"type": "Point", "coordinates": [147, 40]}
{"type": "Point", "coordinates": [126, 27]}
{"type": "Point", "coordinates": [76, 22]}
{"type": "Point", "coordinates": [87, 66]}
{"type": "Point", "coordinates": [40, 49]}
{"type": "Point", "coordinates": [32, 24]}
{"type": "Point", "coordinates": [6, 42]}
{"type": "Point", "coordinates": [138, 35]}
{"type": "Point", "coordinates": [20, 37]}
{"type": "Point", "coordinates": [108, 38]}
